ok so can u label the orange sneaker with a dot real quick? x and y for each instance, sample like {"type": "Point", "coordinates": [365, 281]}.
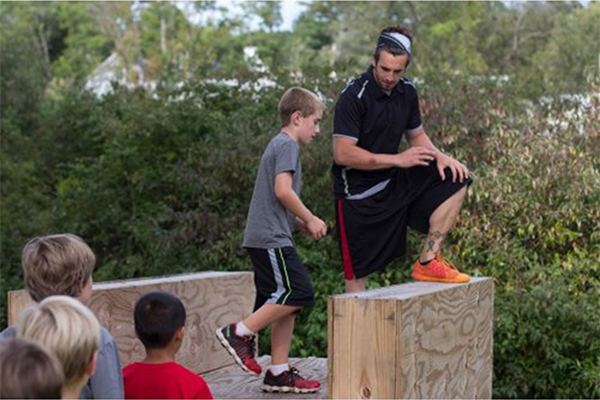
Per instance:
{"type": "Point", "coordinates": [438, 270]}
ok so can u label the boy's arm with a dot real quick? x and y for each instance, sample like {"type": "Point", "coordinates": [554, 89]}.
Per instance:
{"type": "Point", "coordinates": [284, 193]}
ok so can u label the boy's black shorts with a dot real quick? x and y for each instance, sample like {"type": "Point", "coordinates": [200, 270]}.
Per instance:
{"type": "Point", "coordinates": [372, 231]}
{"type": "Point", "coordinates": [280, 278]}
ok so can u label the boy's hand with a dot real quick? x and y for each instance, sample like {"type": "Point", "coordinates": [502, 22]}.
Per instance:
{"type": "Point", "coordinates": [316, 228]}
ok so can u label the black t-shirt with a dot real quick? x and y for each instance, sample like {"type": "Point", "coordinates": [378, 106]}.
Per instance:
{"type": "Point", "coordinates": [377, 121]}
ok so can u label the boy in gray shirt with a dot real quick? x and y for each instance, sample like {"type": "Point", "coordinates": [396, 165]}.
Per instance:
{"type": "Point", "coordinates": [283, 286]}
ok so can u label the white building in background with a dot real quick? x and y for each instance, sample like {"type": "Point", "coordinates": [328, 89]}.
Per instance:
{"type": "Point", "coordinates": [100, 82]}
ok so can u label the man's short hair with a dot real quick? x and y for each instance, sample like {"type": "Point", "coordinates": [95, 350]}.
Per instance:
{"type": "Point", "coordinates": [29, 371]}
{"type": "Point", "coordinates": [67, 328]}
{"type": "Point", "coordinates": [157, 317]}
{"type": "Point", "coordinates": [56, 265]}
{"type": "Point", "coordinates": [298, 99]}
{"type": "Point", "coordinates": [393, 50]}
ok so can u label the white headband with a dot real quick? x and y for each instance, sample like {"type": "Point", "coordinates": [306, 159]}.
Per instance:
{"type": "Point", "coordinates": [395, 38]}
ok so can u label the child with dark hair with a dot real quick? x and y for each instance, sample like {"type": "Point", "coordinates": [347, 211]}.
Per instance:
{"type": "Point", "coordinates": [159, 319]}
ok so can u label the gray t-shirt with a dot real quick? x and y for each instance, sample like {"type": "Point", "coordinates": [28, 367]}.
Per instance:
{"type": "Point", "coordinates": [269, 225]}
{"type": "Point", "coordinates": [107, 381]}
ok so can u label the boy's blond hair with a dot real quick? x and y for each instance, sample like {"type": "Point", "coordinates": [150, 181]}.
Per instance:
{"type": "Point", "coordinates": [29, 371]}
{"type": "Point", "coordinates": [298, 99]}
{"type": "Point", "coordinates": [57, 265]}
{"type": "Point", "coordinates": [66, 327]}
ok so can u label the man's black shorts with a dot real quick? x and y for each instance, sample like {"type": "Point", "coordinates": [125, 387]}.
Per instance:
{"type": "Point", "coordinates": [372, 231]}
{"type": "Point", "coordinates": [280, 278]}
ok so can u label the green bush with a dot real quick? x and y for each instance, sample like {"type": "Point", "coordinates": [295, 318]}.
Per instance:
{"type": "Point", "coordinates": [546, 342]}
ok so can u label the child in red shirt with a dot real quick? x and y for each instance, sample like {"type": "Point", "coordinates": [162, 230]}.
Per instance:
{"type": "Point", "coordinates": [159, 323]}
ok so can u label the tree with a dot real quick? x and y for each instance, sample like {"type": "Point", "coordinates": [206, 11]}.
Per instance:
{"type": "Point", "coordinates": [27, 43]}
{"type": "Point", "coordinates": [85, 46]}
{"type": "Point", "coordinates": [165, 41]}
{"type": "Point", "coordinates": [571, 57]}
{"type": "Point", "coordinates": [117, 22]}
{"type": "Point", "coordinates": [268, 12]}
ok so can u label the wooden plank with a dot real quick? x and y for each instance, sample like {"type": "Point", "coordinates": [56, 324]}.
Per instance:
{"type": "Point", "coordinates": [417, 340]}
{"type": "Point", "coordinates": [330, 342]}
{"type": "Point", "coordinates": [17, 300]}
{"type": "Point", "coordinates": [364, 349]}
{"type": "Point", "coordinates": [212, 299]}
{"type": "Point", "coordinates": [233, 383]}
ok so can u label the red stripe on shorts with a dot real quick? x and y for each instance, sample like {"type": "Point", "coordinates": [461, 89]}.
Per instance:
{"type": "Point", "coordinates": [346, 259]}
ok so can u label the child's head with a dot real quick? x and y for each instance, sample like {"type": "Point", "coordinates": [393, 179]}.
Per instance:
{"type": "Point", "coordinates": [68, 329]}
{"type": "Point", "coordinates": [58, 265]}
{"type": "Point", "coordinates": [29, 371]}
{"type": "Point", "coordinates": [298, 99]}
{"type": "Point", "coordinates": [158, 317]}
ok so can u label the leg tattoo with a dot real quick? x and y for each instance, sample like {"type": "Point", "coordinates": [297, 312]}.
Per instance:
{"type": "Point", "coordinates": [433, 243]}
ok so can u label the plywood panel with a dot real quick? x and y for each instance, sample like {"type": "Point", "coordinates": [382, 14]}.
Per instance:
{"type": "Point", "coordinates": [447, 343]}
{"type": "Point", "coordinates": [212, 299]}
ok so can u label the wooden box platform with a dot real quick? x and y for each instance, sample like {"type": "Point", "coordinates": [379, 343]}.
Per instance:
{"type": "Point", "coordinates": [415, 340]}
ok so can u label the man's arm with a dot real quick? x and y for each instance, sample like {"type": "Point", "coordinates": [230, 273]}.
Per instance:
{"type": "Point", "coordinates": [347, 153]}
{"type": "Point", "coordinates": [284, 193]}
{"type": "Point", "coordinates": [419, 139]}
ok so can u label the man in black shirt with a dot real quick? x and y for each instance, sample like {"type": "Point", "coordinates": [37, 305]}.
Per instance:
{"type": "Point", "coordinates": [378, 191]}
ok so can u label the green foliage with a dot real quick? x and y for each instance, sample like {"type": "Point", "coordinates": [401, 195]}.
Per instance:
{"type": "Point", "coordinates": [24, 73]}
{"type": "Point", "coordinates": [83, 47]}
{"type": "Point", "coordinates": [546, 341]}
{"type": "Point", "coordinates": [157, 185]}
{"type": "Point", "coordinates": [578, 32]}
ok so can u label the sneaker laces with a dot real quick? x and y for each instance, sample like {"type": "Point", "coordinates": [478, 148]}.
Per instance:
{"type": "Point", "coordinates": [294, 374]}
{"type": "Point", "coordinates": [252, 345]}
{"type": "Point", "coordinates": [447, 263]}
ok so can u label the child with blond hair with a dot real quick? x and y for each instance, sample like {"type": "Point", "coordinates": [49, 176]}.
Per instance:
{"type": "Point", "coordinates": [68, 329]}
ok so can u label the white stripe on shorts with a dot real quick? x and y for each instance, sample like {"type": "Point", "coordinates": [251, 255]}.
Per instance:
{"type": "Point", "coordinates": [278, 278]}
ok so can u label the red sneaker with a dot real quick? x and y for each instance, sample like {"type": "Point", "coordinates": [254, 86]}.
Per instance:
{"type": "Point", "coordinates": [289, 381]}
{"type": "Point", "coordinates": [241, 348]}
{"type": "Point", "coordinates": [438, 270]}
